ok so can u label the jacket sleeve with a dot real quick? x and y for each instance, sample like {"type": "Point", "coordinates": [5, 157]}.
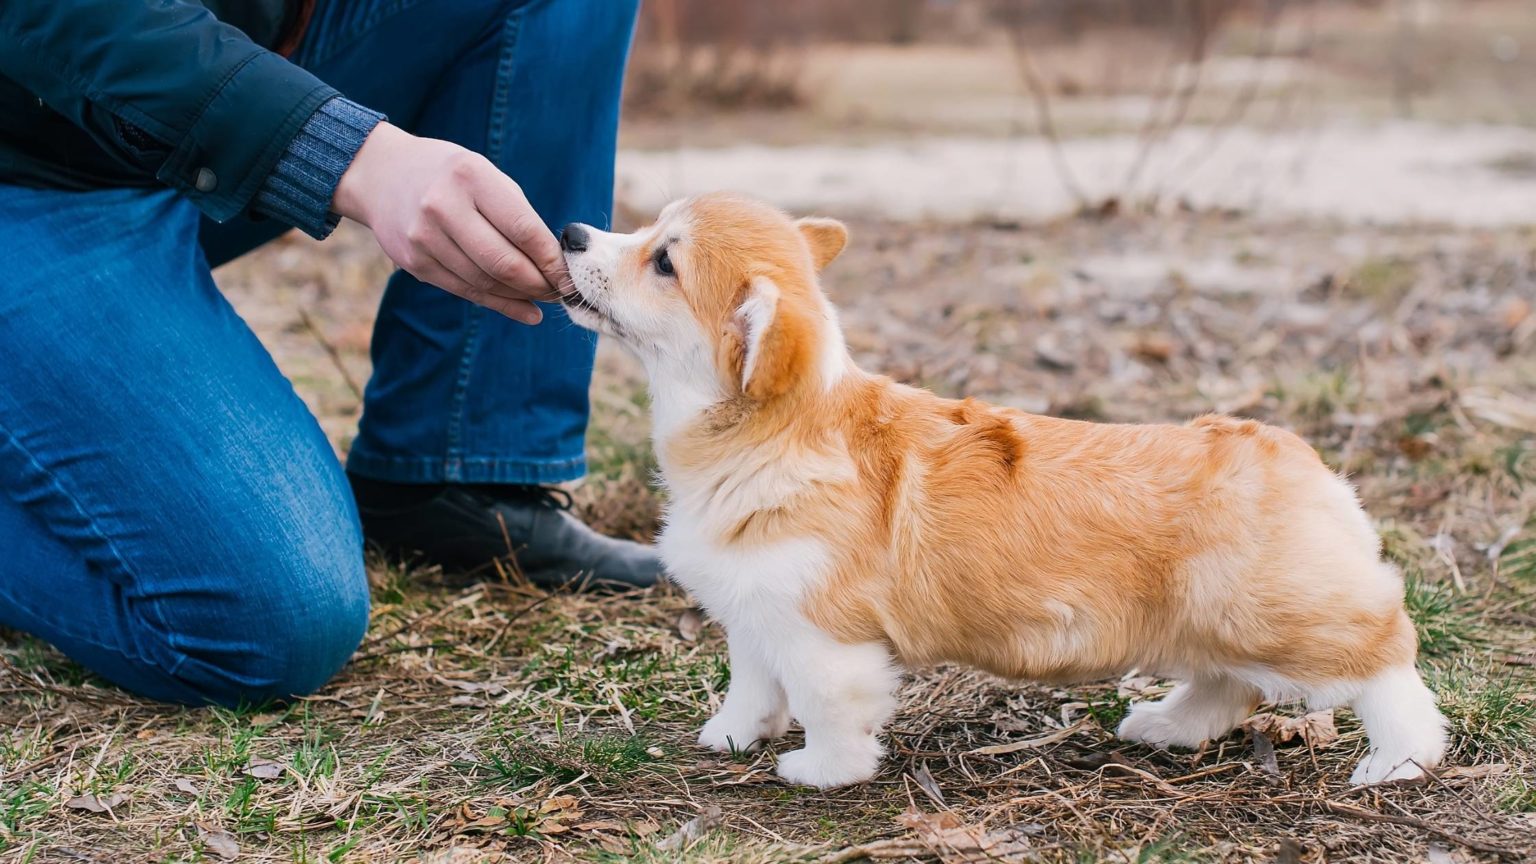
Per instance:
{"type": "Point", "coordinates": [165, 86]}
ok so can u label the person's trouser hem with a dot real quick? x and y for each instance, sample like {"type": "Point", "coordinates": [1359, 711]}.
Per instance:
{"type": "Point", "coordinates": [415, 469]}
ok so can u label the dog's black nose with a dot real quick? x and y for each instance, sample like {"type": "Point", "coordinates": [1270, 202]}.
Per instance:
{"type": "Point", "coordinates": [574, 238]}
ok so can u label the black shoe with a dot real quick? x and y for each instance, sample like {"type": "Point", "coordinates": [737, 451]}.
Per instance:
{"type": "Point", "coordinates": [470, 529]}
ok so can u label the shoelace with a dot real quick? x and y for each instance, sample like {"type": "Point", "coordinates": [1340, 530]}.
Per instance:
{"type": "Point", "coordinates": [552, 497]}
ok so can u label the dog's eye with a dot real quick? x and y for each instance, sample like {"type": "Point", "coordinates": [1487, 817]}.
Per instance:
{"type": "Point", "coordinates": [664, 263]}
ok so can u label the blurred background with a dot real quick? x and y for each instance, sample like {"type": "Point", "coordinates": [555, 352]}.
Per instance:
{"type": "Point", "coordinates": [1033, 108]}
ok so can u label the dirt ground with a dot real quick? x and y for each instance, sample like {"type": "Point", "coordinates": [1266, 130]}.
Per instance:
{"type": "Point", "coordinates": [492, 722]}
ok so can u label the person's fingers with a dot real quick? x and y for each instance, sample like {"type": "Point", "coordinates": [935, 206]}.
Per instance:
{"type": "Point", "coordinates": [433, 273]}
{"type": "Point", "coordinates": [504, 206]}
{"type": "Point", "coordinates": [513, 274]}
{"type": "Point", "coordinates": [448, 254]}
{"type": "Point", "coordinates": [516, 308]}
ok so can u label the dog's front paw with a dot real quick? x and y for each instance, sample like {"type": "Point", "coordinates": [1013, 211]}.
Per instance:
{"type": "Point", "coordinates": [826, 771]}
{"type": "Point", "coordinates": [1153, 723]}
{"type": "Point", "coordinates": [1169, 724]}
{"type": "Point", "coordinates": [1379, 767]}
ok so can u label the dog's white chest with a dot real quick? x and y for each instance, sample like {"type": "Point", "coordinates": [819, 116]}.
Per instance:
{"type": "Point", "coordinates": [733, 580]}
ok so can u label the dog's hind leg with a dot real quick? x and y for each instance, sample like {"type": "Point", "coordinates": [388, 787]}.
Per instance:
{"type": "Point", "coordinates": [1197, 710]}
{"type": "Point", "coordinates": [1406, 730]}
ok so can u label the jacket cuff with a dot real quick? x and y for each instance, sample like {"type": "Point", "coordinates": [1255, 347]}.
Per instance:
{"type": "Point", "coordinates": [298, 192]}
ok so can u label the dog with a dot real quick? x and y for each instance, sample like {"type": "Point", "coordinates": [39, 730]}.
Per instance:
{"type": "Point", "coordinates": [842, 527]}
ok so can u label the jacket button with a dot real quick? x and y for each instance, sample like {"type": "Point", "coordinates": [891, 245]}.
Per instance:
{"type": "Point", "coordinates": [206, 181]}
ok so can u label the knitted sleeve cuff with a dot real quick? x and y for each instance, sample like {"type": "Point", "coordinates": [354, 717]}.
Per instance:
{"type": "Point", "coordinates": [299, 189]}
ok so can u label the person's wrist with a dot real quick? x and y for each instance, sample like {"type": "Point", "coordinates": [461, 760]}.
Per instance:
{"type": "Point", "coordinates": [361, 181]}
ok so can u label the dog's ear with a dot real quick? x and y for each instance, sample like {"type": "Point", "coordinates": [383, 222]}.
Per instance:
{"type": "Point", "coordinates": [776, 340]}
{"type": "Point", "coordinates": [825, 237]}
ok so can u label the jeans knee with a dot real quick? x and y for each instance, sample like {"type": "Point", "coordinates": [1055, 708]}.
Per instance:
{"type": "Point", "coordinates": [288, 621]}
{"type": "Point", "coordinates": [306, 643]}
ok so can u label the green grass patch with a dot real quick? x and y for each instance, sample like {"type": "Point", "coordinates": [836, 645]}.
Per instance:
{"type": "Point", "coordinates": [1109, 711]}
{"type": "Point", "coordinates": [1517, 794]}
{"type": "Point", "coordinates": [1445, 626]}
{"type": "Point", "coordinates": [1518, 560]}
{"type": "Point", "coordinates": [1316, 396]}
{"type": "Point", "coordinates": [21, 804]}
{"type": "Point", "coordinates": [1492, 711]}
{"type": "Point", "coordinates": [520, 762]}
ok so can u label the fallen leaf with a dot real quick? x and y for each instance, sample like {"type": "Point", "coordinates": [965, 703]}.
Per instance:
{"type": "Point", "coordinates": [1473, 772]}
{"type": "Point", "coordinates": [495, 817]}
{"type": "Point", "coordinates": [218, 841]}
{"type": "Point", "coordinates": [959, 841]}
{"type": "Point", "coordinates": [489, 687]}
{"type": "Point", "coordinates": [599, 825]}
{"type": "Point", "coordinates": [1514, 312]}
{"type": "Point", "coordinates": [929, 822]}
{"type": "Point", "coordinates": [1029, 743]}
{"type": "Point", "coordinates": [645, 827]}
{"type": "Point", "coordinates": [560, 802]}
{"type": "Point", "coordinates": [96, 803]}
{"type": "Point", "coordinates": [1416, 447]}
{"type": "Point", "coordinates": [930, 786]}
{"type": "Point", "coordinates": [264, 769]}
{"type": "Point", "coordinates": [187, 786]}
{"type": "Point", "coordinates": [1154, 347]}
{"type": "Point", "coordinates": [690, 624]}
{"type": "Point", "coordinates": [1264, 749]}
{"type": "Point", "coordinates": [692, 830]}
{"type": "Point", "coordinates": [558, 810]}
{"type": "Point", "coordinates": [613, 845]}
{"type": "Point", "coordinates": [1315, 729]}
{"type": "Point", "coordinates": [1139, 686]}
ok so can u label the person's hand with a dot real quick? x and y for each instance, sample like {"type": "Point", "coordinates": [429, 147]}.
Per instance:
{"type": "Point", "coordinates": [448, 217]}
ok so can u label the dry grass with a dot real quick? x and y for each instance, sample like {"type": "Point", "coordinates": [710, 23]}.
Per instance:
{"type": "Point", "coordinates": [494, 723]}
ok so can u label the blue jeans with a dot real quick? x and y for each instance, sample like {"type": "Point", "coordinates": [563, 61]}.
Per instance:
{"type": "Point", "coordinates": [171, 516]}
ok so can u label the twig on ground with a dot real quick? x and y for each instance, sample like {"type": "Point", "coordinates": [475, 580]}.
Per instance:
{"type": "Point", "coordinates": [332, 352]}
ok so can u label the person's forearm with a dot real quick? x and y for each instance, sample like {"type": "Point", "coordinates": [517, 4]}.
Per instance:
{"type": "Point", "coordinates": [165, 87]}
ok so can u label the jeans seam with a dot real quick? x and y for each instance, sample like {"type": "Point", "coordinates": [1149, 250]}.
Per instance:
{"type": "Point", "coordinates": [495, 139]}
{"type": "Point", "coordinates": [501, 96]}
{"type": "Point", "coordinates": [117, 556]}
{"type": "Point", "coordinates": [169, 670]}
{"type": "Point", "coordinates": [452, 459]}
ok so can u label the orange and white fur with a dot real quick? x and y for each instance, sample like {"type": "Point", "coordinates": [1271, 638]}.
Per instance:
{"type": "Point", "coordinates": [842, 526]}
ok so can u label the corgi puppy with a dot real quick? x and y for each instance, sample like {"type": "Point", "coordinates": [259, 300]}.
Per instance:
{"type": "Point", "coordinates": [842, 526]}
